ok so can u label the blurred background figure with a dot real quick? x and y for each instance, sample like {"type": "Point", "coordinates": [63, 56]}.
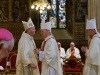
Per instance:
{"type": "Point", "coordinates": [6, 43]}
{"type": "Point", "coordinates": [61, 52]}
{"type": "Point", "coordinates": [73, 51]}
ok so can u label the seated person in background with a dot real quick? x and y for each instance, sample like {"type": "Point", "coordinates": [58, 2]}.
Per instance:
{"type": "Point", "coordinates": [61, 52]}
{"type": "Point", "coordinates": [73, 51]}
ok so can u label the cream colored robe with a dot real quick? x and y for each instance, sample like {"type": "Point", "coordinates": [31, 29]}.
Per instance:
{"type": "Point", "coordinates": [26, 56]}
{"type": "Point", "coordinates": [51, 57]}
{"type": "Point", "coordinates": [92, 64]}
{"type": "Point", "coordinates": [76, 54]}
{"type": "Point", "coordinates": [62, 54]}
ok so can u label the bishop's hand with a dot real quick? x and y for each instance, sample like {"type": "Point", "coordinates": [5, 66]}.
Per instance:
{"type": "Point", "coordinates": [83, 48]}
{"type": "Point", "coordinates": [32, 65]}
{"type": "Point", "coordinates": [37, 50]}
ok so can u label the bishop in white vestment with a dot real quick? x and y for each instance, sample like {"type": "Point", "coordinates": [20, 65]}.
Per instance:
{"type": "Point", "coordinates": [26, 63]}
{"type": "Point", "coordinates": [51, 64]}
{"type": "Point", "coordinates": [92, 64]}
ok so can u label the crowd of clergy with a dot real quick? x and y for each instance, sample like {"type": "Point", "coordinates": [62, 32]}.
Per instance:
{"type": "Point", "coordinates": [48, 59]}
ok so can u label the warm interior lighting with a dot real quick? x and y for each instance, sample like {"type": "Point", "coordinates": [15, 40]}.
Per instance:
{"type": "Point", "coordinates": [41, 5]}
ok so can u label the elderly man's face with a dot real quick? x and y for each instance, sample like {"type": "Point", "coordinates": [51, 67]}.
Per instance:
{"type": "Point", "coordinates": [72, 46]}
{"type": "Point", "coordinates": [90, 32]}
{"type": "Point", "coordinates": [31, 31]}
{"type": "Point", "coordinates": [59, 45]}
{"type": "Point", "coordinates": [44, 33]}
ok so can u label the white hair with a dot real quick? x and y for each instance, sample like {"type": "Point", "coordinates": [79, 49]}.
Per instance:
{"type": "Point", "coordinates": [6, 43]}
{"type": "Point", "coordinates": [72, 43]}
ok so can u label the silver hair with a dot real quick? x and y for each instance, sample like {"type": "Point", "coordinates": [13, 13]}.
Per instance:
{"type": "Point", "coordinates": [6, 43]}
{"type": "Point", "coordinates": [72, 43]}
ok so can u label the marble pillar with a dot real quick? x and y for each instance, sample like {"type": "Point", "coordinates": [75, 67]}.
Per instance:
{"type": "Point", "coordinates": [10, 10]}
{"type": "Point", "coordinates": [91, 9]}
{"type": "Point", "coordinates": [94, 11]}
{"type": "Point", "coordinates": [98, 14]}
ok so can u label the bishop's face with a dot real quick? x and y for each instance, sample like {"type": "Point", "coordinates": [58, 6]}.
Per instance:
{"type": "Point", "coordinates": [90, 32]}
{"type": "Point", "coordinates": [44, 33]}
{"type": "Point", "coordinates": [31, 31]}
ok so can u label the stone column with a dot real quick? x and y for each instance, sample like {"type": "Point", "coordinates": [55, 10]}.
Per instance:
{"type": "Point", "coordinates": [30, 2]}
{"type": "Point", "coordinates": [94, 11]}
{"type": "Point", "coordinates": [10, 10]}
{"type": "Point", "coordinates": [98, 14]}
{"type": "Point", "coordinates": [91, 9]}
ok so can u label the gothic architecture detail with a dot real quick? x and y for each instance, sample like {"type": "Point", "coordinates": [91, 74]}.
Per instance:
{"type": "Point", "coordinates": [4, 10]}
{"type": "Point", "coordinates": [14, 10]}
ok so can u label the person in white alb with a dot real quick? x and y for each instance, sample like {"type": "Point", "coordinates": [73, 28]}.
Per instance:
{"type": "Point", "coordinates": [51, 64]}
{"type": "Point", "coordinates": [61, 52]}
{"type": "Point", "coordinates": [27, 63]}
{"type": "Point", "coordinates": [73, 51]}
{"type": "Point", "coordinates": [92, 63]}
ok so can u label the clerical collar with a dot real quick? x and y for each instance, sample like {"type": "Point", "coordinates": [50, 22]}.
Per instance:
{"type": "Point", "coordinates": [50, 36]}
{"type": "Point", "coordinates": [96, 35]}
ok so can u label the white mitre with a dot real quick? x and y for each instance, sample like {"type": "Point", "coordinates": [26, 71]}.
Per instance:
{"type": "Point", "coordinates": [45, 25]}
{"type": "Point", "coordinates": [91, 24]}
{"type": "Point", "coordinates": [28, 24]}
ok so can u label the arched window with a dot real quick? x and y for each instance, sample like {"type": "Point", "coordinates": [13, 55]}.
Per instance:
{"type": "Point", "coordinates": [57, 14]}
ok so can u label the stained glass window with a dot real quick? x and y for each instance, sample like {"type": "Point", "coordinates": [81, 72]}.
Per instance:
{"type": "Point", "coordinates": [53, 15]}
{"type": "Point", "coordinates": [43, 14]}
{"type": "Point", "coordinates": [62, 13]}
{"type": "Point", "coordinates": [57, 14]}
